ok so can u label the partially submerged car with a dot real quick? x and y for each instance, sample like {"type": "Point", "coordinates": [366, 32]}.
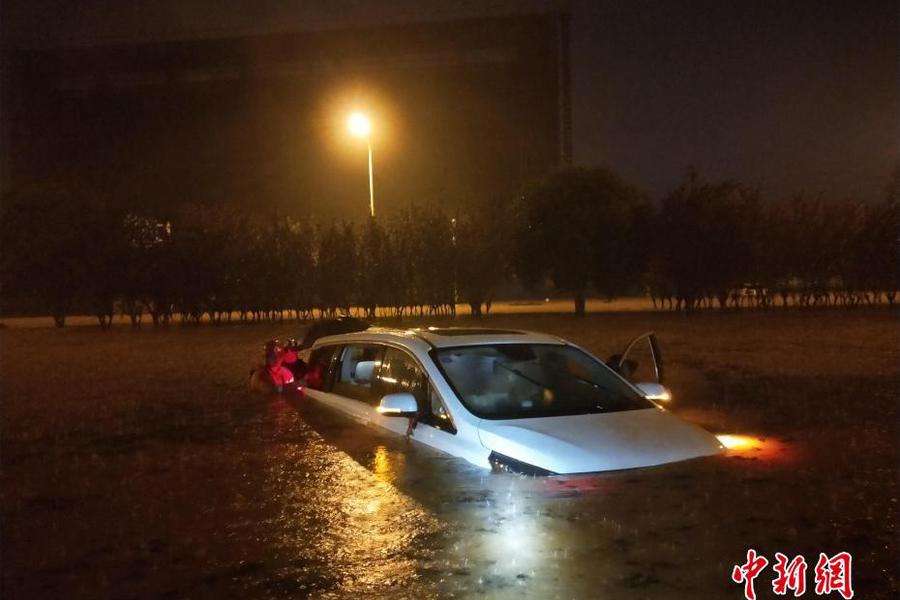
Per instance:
{"type": "Point", "coordinates": [523, 401]}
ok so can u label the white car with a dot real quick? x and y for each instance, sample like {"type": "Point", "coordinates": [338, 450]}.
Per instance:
{"type": "Point", "coordinates": [528, 402]}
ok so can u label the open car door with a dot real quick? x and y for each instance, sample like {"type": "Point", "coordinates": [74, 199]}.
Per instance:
{"type": "Point", "coordinates": [642, 364]}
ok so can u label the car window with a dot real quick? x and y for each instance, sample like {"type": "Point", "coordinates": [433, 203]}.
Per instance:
{"type": "Point", "coordinates": [400, 372]}
{"type": "Point", "coordinates": [356, 371]}
{"type": "Point", "coordinates": [318, 376]}
{"type": "Point", "coordinates": [513, 381]}
{"type": "Point", "coordinates": [438, 415]}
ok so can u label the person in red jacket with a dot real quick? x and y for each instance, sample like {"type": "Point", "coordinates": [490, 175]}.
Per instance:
{"type": "Point", "coordinates": [276, 358]}
{"type": "Point", "coordinates": [281, 370]}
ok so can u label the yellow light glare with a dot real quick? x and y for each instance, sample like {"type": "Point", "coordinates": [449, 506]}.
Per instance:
{"type": "Point", "coordinates": [665, 396]}
{"type": "Point", "coordinates": [739, 442]}
{"type": "Point", "coordinates": [359, 125]}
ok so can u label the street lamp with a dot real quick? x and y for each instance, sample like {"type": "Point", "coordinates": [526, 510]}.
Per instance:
{"type": "Point", "coordinates": [360, 126]}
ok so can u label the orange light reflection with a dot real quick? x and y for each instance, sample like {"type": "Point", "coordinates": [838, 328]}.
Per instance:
{"type": "Point", "coordinates": [767, 449]}
{"type": "Point", "coordinates": [740, 442]}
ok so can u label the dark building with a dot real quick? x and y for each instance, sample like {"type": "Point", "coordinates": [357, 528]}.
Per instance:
{"type": "Point", "coordinates": [463, 110]}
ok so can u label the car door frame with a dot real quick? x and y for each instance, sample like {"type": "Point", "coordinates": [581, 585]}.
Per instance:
{"type": "Point", "coordinates": [360, 411]}
{"type": "Point", "coordinates": [655, 352]}
{"type": "Point", "coordinates": [423, 432]}
{"type": "Point", "coordinates": [464, 444]}
{"type": "Point", "coordinates": [454, 444]}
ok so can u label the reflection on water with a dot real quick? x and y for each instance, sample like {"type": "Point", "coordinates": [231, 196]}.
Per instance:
{"type": "Point", "coordinates": [340, 518]}
{"type": "Point", "coordinates": [439, 526]}
{"type": "Point", "coordinates": [504, 535]}
{"type": "Point", "coordinates": [518, 542]}
{"type": "Point", "coordinates": [385, 465]}
{"type": "Point", "coordinates": [285, 499]}
{"type": "Point", "coordinates": [764, 449]}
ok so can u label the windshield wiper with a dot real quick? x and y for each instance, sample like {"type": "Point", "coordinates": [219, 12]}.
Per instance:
{"type": "Point", "coordinates": [522, 375]}
{"type": "Point", "coordinates": [613, 395]}
{"type": "Point", "coordinates": [579, 379]}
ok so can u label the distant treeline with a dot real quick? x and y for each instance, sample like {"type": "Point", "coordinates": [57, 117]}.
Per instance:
{"type": "Point", "coordinates": [583, 231]}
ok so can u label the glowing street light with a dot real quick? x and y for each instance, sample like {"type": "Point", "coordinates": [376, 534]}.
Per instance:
{"type": "Point", "coordinates": [360, 126]}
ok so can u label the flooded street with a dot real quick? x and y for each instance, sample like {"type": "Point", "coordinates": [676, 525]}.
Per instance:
{"type": "Point", "coordinates": [136, 464]}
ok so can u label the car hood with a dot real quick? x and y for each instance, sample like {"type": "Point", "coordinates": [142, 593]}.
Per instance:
{"type": "Point", "coordinates": [598, 442]}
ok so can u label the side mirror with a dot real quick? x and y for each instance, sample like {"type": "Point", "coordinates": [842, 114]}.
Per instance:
{"type": "Point", "coordinates": [401, 404]}
{"type": "Point", "coordinates": [654, 391]}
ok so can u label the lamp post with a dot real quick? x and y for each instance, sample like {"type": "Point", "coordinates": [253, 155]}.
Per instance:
{"type": "Point", "coordinates": [360, 126]}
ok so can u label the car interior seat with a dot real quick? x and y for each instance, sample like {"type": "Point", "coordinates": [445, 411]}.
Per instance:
{"type": "Point", "coordinates": [362, 374]}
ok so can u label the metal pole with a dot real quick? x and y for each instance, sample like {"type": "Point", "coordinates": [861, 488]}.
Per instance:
{"type": "Point", "coordinates": [371, 185]}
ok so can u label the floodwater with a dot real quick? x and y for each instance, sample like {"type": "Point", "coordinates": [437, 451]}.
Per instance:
{"type": "Point", "coordinates": [211, 491]}
{"type": "Point", "coordinates": [284, 499]}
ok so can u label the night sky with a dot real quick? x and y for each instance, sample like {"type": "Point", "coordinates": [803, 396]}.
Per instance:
{"type": "Point", "coordinates": [784, 95]}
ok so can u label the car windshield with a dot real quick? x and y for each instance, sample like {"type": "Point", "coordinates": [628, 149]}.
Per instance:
{"type": "Point", "coordinates": [516, 381]}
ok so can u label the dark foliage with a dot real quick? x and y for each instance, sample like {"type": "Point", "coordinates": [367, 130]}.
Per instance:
{"type": "Point", "coordinates": [67, 249]}
{"type": "Point", "coordinates": [582, 227]}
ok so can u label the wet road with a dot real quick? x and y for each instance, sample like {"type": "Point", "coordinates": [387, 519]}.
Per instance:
{"type": "Point", "coordinates": [292, 500]}
{"type": "Point", "coordinates": [209, 491]}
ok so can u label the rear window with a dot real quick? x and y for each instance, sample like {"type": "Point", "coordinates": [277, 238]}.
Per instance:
{"type": "Point", "coordinates": [355, 373]}
{"type": "Point", "coordinates": [318, 377]}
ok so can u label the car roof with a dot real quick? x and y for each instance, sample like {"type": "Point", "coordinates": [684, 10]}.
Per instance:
{"type": "Point", "coordinates": [426, 338]}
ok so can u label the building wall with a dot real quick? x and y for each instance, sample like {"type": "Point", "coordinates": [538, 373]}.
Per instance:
{"type": "Point", "coordinates": [464, 110]}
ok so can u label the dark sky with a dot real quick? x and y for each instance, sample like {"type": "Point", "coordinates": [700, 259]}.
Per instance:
{"type": "Point", "coordinates": [787, 95]}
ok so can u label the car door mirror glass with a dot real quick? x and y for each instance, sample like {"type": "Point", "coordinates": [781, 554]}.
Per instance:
{"type": "Point", "coordinates": [401, 404]}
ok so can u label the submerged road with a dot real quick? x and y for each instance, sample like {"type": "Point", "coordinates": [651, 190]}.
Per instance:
{"type": "Point", "coordinates": [281, 499]}
{"type": "Point", "coordinates": [177, 482]}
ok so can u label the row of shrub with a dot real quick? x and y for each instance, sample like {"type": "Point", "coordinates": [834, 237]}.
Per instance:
{"type": "Point", "coordinates": [707, 243]}
{"type": "Point", "coordinates": [582, 231]}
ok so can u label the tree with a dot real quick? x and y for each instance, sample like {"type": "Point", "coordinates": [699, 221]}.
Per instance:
{"type": "Point", "coordinates": [300, 268]}
{"type": "Point", "coordinates": [45, 257]}
{"type": "Point", "coordinates": [433, 258]}
{"type": "Point", "coordinates": [336, 273]}
{"type": "Point", "coordinates": [401, 251]}
{"type": "Point", "coordinates": [875, 261]}
{"type": "Point", "coordinates": [578, 226]}
{"type": "Point", "coordinates": [372, 260]}
{"type": "Point", "coordinates": [482, 238]}
{"type": "Point", "coordinates": [104, 269]}
{"type": "Point", "coordinates": [704, 239]}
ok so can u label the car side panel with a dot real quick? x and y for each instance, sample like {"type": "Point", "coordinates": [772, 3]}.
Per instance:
{"type": "Point", "coordinates": [359, 411]}
{"type": "Point", "coordinates": [465, 443]}
{"type": "Point", "coordinates": [463, 447]}
{"type": "Point", "coordinates": [454, 444]}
